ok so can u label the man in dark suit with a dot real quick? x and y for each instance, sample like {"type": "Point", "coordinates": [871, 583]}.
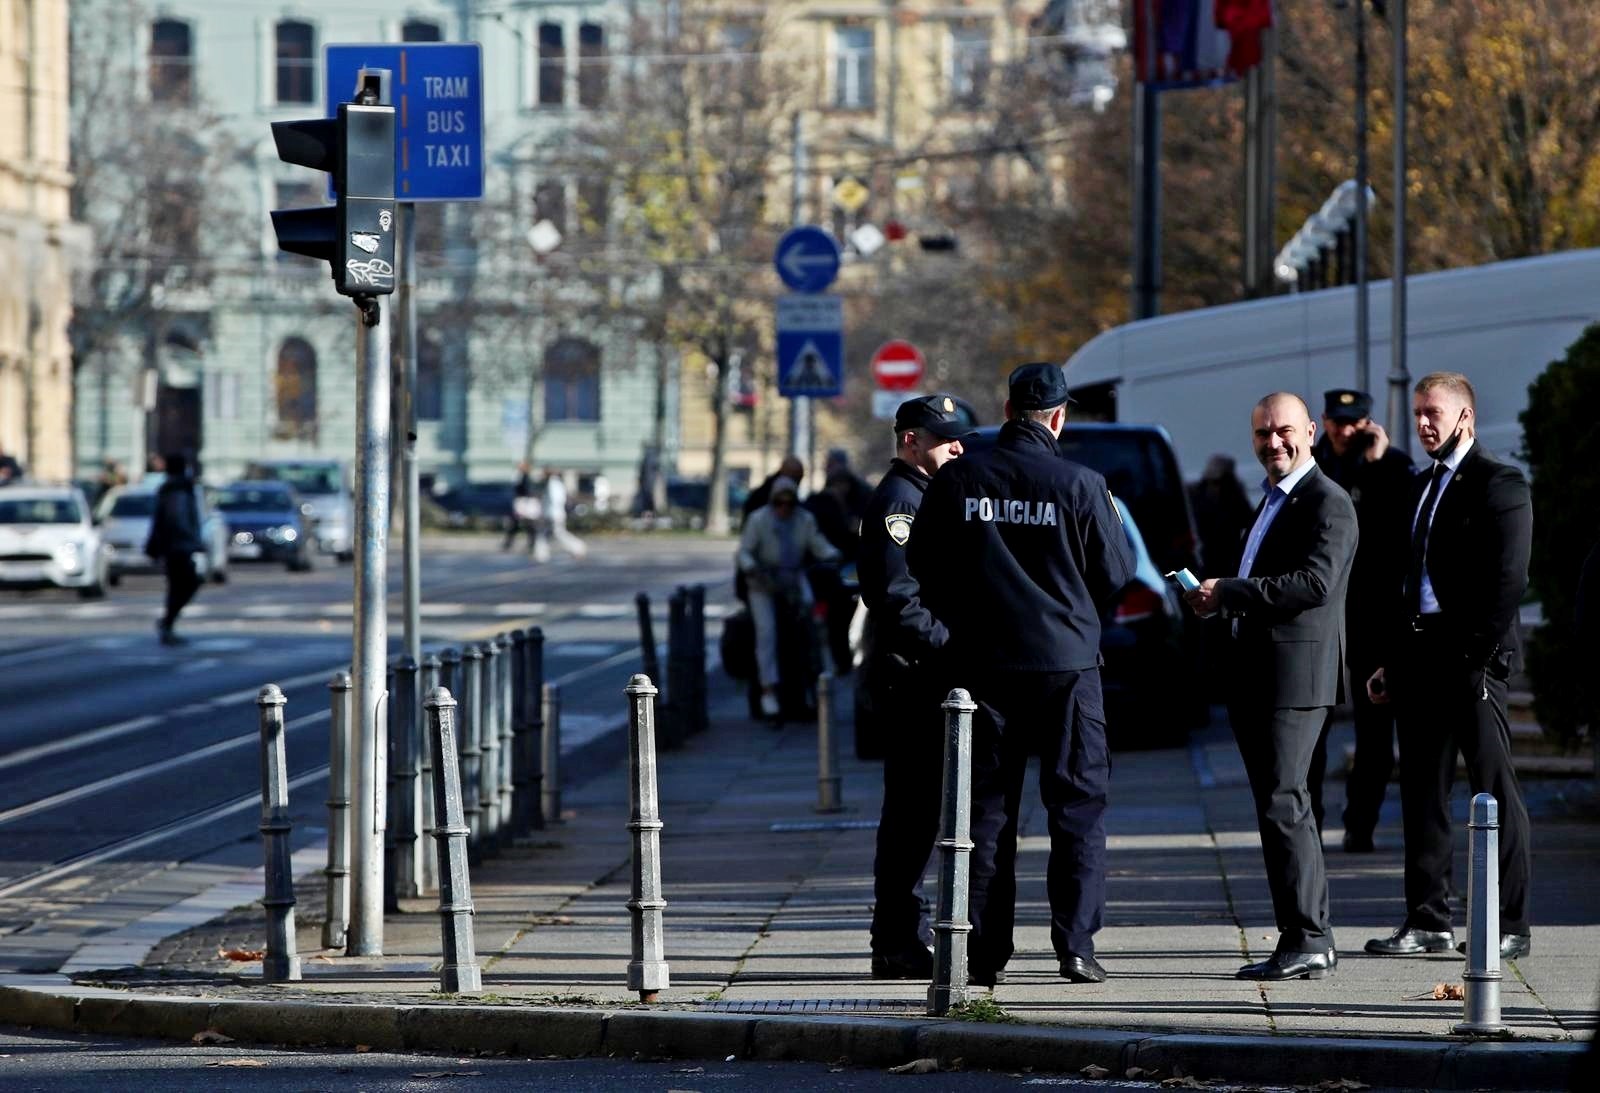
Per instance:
{"type": "Point", "coordinates": [1454, 646]}
{"type": "Point", "coordinates": [1285, 612]}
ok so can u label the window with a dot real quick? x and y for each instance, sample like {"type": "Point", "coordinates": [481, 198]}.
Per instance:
{"type": "Point", "coordinates": [572, 381]}
{"type": "Point", "coordinates": [171, 62]}
{"type": "Point", "coordinates": [420, 30]}
{"type": "Point", "coordinates": [969, 64]}
{"type": "Point", "coordinates": [552, 65]}
{"type": "Point", "coordinates": [550, 203]}
{"type": "Point", "coordinates": [297, 61]}
{"type": "Point", "coordinates": [429, 397]}
{"type": "Point", "coordinates": [594, 203]}
{"type": "Point", "coordinates": [222, 396]}
{"type": "Point", "coordinates": [175, 220]}
{"type": "Point", "coordinates": [591, 64]}
{"type": "Point", "coordinates": [852, 72]}
{"type": "Point", "coordinates": [296, 383]}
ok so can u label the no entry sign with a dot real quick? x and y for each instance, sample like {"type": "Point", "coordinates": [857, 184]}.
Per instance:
{"type": "Point", "coordinates": [897, 366]}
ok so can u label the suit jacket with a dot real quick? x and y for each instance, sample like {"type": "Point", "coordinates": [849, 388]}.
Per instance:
{"type": "Point", "coordinates": [1289, 652]}
{"type": "Point", "coordinates": [1478, 557]}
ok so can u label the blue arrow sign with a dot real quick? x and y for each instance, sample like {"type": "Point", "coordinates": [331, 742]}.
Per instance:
{"type": "Point", "coordinates": [810, 346]}
{"type": "Point", "coordinates": [437, 92]}
{"type": "Point", "coordinates": [807, 259]}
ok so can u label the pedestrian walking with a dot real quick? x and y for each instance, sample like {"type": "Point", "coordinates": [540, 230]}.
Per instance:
{"type": "Point", "coordinates": [1283, 616]}
{"type": "Point", "coordinates": [778, 541]}
{"type": "Point", "coordinates": [553, 528]}
{"type": "Point", "coordinates": [174, 541]}
{"type": "Point", "coordinates": [1355, 452]}
{"type": "Point", "coordinates": [526, 509]}
{"type": "Point", "coordinates": [1019, 551]}
{"type": "Point", "coordinates": [1453, 647]}
{"type": "Point", "coordinates": [903, 639]}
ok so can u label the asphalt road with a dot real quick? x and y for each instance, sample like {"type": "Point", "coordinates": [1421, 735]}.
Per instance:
{"type": "Point", "coordinates": [128, 770]}
{"type": "Point", "coordinates": [58, 1061]}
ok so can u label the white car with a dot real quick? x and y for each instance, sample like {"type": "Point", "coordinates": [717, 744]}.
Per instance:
{"type": "Point", "coordinates": [47, 538]}
{"type": "Point", "coordinates": [124, 516]}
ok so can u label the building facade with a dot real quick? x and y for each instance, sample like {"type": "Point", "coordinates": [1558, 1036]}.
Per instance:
{"type": "Point", "coordinates": [256, 357]}
{"type": "Point", "coordinates": [39, 242]}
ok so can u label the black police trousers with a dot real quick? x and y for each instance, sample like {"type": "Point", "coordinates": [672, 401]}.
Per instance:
{"type": "Point", "coordinates": [1060, 717]}
{"type": "Point", "coordinates": [910, 725]}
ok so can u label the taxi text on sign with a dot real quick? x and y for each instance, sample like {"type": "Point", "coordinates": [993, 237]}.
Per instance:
{"type": "Point", "coordinates": [810, 346]}
{"type": "Point", "coordinates": [437, 92]}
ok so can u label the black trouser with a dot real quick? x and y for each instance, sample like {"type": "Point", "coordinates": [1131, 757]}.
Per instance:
{"type": "Point", "coordinates": [1276, 745]}
{"type": "Point", "coordinates": [1368, 779]}
{"type": "Point", "coordinates": [1060, 717]}
{"type": "Point", "coordinates": [910, 723]}
{"type": "Point", "coordinates": [183, 581]}
{"type": "Point", "coordinates": [1442, 706]}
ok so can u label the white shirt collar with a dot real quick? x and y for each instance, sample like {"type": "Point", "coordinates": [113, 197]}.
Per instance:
{"type": "Point", "coordinates": [1290, 480]}
{"type": "Point", "coordinates": [1453, 461]}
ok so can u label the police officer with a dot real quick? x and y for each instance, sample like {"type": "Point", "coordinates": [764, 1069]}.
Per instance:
{"type": "Point", "coordinates": [1018, 552]}
{"type": "Point", "coordinates": [1355, 452]}
{"type": "Point", "coordinates": [902, 637]}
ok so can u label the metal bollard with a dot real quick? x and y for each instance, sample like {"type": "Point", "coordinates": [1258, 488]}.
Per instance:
{"type": "Point", "coordinates": [830, 797]}
{"type": "Point", "coordinates": [459, 973]}
{"type": "Point", "coordinates": [517, 680]}
{"type": "Point", "coordinates": [699, 712]}
{"type": "Point", "coordinates": [489, 747]}
{"type": "Point", "coordinates": [427, 872]}
{"type": "Point", "coordinates": [648, 654]}
{"type": "Point", "coordinates": [1481, 980]}
{"type": "Point", "coordinates": [674, 713]}
{"type": "Point", "coordinates": [405, 811]}
{"type": "Point", "coordinates": [336, 920]}
{"type": "Point", "coordinates": [508, 691]}
{"type": "Point", "coordinates": [470, 708]}
{"type": "Point", "coordinates": [530, 808]}
{"type": "Point", "coordinates": [550, 750]}
{"type": "Point", "coordinates": [949, 986]}
{"type": "Point", "coordinates": [647, 971]}
{"type": "Point", "coordinates": [282, 963]}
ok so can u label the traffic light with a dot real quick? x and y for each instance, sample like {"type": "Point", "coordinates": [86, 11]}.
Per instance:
{"type": "Point", "coordinates": [355, 235]}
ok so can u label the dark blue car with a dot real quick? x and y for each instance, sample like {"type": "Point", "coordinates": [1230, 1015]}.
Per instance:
{"type": "Point", "coordinates": [270, 523]}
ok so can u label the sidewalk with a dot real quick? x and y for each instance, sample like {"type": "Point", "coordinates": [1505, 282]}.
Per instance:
{"type": "Point", "coordinates": [768, 904]}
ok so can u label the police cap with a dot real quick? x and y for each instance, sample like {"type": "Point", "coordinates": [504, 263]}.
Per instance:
{"type": "Point", "coordinates": [1040, 386]}
{"type": "Point", "coordinates": [935, 413]}
{"type": "Point", "coordinates": [1344, 404]}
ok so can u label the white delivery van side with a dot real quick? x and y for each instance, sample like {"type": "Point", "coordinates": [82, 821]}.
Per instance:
{"type": "Point", "coordinates": [1199, 372]}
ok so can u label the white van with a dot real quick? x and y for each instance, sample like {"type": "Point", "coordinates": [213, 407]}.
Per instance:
{"type": "Point", "coordinates": [1199, 372]}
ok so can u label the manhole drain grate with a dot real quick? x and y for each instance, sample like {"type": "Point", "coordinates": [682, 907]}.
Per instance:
{"type": "Point", "coordinates": [819, 1005]}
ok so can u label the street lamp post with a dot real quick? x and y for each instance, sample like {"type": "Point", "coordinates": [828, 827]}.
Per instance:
{"type": "Point", "coordinates": [1363, 354]}
{"type": "Point", "coordinates": [1399, 378]}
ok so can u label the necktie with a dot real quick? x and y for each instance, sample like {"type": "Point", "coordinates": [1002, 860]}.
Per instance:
{"type": "Point", "coordinates": [1419, 541]}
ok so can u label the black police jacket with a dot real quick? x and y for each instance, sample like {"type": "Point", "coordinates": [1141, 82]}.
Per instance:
{"type": "Point", "coordinates": [898, 623]}
{"type": "Point", "coordinates": [1381, 490]}
{"type": "Point", "coordinates": [1020, 552]}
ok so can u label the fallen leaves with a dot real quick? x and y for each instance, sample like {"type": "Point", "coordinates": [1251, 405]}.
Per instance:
{"type": "Point", "coordinates": [211, 1036]}
{"type": "Point", "coordinates": [917, 1066]}
{"type": "Point", "coordinates": [1187, 1081]}
{"type": "Point", "coordinates": [1095, 1071]}
{"type": "Point", "coordinates": [554, 920]}
{"type": "Point", "coordinates": [243, 955]}
{"type": "Point", "coordinates": [1442, 992]}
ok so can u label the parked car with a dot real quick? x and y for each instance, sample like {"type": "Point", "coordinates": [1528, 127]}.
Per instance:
{"type": "Point", "coordinates": [47, 538]}
{"type": "Point", "coordinates": [124, 516]}
{"type": "Point", "coordinates": [270, 522]}
{"type": "Point", "coordinates": [325, 485]}
{"type": "Point", "coordinates": [694, 494]}
{"type": "Point", "coordinates": [474, 505]}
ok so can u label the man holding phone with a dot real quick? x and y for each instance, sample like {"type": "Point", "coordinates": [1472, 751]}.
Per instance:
{"type": "Point", "coordinates": [1355, 452]}
{"type": "Point", "coordinates": [1284, 613]}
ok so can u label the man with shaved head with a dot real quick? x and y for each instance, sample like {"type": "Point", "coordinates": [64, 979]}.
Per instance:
{"type": "Point", "coordinates": [1284, 620]}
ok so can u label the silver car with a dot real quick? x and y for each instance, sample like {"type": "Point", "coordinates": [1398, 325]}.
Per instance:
{"type": "Point", "coordinates": [325, 485]}
{"type": "Point", "coordinates": [47, 538]}
{"type": "Point", "coordinates": [124, 517]}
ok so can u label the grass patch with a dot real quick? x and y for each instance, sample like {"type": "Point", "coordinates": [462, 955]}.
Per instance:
{"type": "Point", "coordinates": [984, 1010]}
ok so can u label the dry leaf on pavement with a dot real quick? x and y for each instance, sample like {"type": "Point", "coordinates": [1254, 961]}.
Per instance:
{"type": "Point", "coordinates": [1095, 1070]}
{"type": "Point", "coordinates": [1140, 1072]}
{"type": "Point", "coordinates": [1448, 992]}
{"type": "Point", "coordinates": [242, 954]}
{"type": "Point", "coordinates": [1187, 1081]}
{"type": "Point", "coordinates": [211, 1036]}
{"type": "Point", "coordinates": [917, 1066]}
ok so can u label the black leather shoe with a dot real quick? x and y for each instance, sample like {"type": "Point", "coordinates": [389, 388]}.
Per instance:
{"type": "Point", "coordinates": [1291, 966]}
{"type": "Point", "coordinates": [914, 963]}
{"type": "Point", "coordinates": [1512, 946]}
{"type": "Point", "coordinates": [1408, 941]}
{"type": "Point", "coordinates": [1355, 843]}
{"type": "Point", "coordinates": [1082, 969]}
{"type": "Point", "coordinates": [979, 976]}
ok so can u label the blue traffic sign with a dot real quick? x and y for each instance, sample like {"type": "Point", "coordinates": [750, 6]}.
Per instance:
{"type": "Point", "coordinates": [807, 258]}
{"type": "Point", "coordinates": [437, 92]}
{"type": "Point", "coordinates": [810, 346]}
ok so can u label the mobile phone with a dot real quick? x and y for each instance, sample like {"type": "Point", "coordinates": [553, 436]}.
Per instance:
{"type": "Point", "coordinates": [1184, 579]}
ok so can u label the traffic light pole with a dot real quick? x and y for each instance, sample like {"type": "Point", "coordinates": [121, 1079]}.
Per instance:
{"type": "Point", "coordinates": [411, 516]}
{"type": "Point", "coordinates": [368, 692]}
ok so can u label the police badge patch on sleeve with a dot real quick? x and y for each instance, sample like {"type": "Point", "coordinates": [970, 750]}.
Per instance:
{"type": "Point", "coordinates": [898, 524]}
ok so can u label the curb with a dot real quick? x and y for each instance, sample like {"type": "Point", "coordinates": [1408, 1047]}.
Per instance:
{"type": "Point", "coordinates": [870, 1041]}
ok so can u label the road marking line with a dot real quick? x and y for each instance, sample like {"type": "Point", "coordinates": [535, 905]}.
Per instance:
{"type": "Point", "coordinates": [72, 743]}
